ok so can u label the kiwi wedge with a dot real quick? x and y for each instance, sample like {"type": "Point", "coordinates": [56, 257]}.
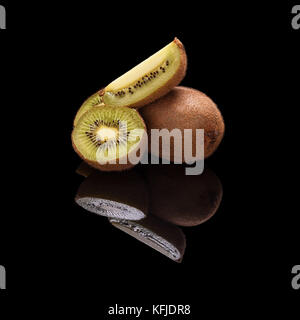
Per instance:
{"type": "Point", "coordinates": [159, 235]}
{"type": "Point", "coordinates": [107, 138]}
{"type": "Point", "coordinates": [149, 80]}
{"type": "Point", "coordinates": [94, 100]}
{"type": "Point", "coordinates": [184, 200]}
{"type": "Point", "coordinates": [121, 195]}
{"type": "Point", "coordinates": [184, 108]}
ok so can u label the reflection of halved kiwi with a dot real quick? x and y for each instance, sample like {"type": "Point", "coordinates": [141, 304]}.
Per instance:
{"type": "Point", "coordinates": [121, 195]}
{"type": "Point", "coordinates": [181, 199]}
{"type": "Point", "coordinates": [84, 169]}
{"type": "Point", "coordinates": [185, 108]}
{"type": "Point", "coordinates": [159, 235]}
{"type": "Point", "coordinates": [93, 101]}
{"type": "Point", "coordinates": [149, 80]}
{"type": "Point", "coordinates": [107, 138]}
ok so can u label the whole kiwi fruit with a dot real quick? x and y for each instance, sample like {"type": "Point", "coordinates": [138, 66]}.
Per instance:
{"type": "Point", "coordinates": [185, 108]}
{"type": "Point", "coordinates": [184, 200]}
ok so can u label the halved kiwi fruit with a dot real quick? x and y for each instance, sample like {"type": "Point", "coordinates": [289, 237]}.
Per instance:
{"type": "Point", "coordinates": [108, 138]}
{"type": "Point", "coordinates": [121, 195]}
{"type": "Point", "coordinates": [93, 101]}
{"type": "Point", "coordinates": [184, 200]}
{"type": "Point", "coordinates": [159, 235]}
{"type": "Point", "coordinates": [184, 108]}
{"type": "Point", "coordinates": [149, 80]}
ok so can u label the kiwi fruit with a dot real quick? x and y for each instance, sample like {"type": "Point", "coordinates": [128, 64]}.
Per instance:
{"type": "Point", "coordinates": [184, 200]}
{"type": "Point", "coordinates": [107, 138]}
{"type": "Point", "coordinates": [121, 195]}
{"type": "Point", "coordinates": [149, 80]}
{"type": "Point", "coordinates": [185, 108]}
{"type": "Point", "coordinates": [94, 100]}
{"type": "Point", "coordinates": [159, 235]}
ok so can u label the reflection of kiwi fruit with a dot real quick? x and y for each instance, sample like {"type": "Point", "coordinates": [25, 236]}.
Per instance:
{"type": "Point", "coordinates": [84, 169]}
{"type": "Point", "coordinates": [94, 100]}
{"type": "Point", "coordinates": [185, 108]}
{"type": "Point", "coordinates": [159, 235]}
{"type": "Point", "coordinates": [107, 137]}
{"type": "Point", "coordinates": [181, 199]}
{"type": "Point", "coordinates": [150, 79]}
{"type": "Point", "coordinates": [121, 195]}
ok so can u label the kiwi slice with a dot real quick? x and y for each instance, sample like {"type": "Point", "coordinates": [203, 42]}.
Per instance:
{"type": "Point", "coordinates": [159, 235]}
{"type": "Point", "coordinates": [120, 195]}
{"type": "Point", "coordinates": [183, 200]}
{"type": "Point", "coordinates": [107, 137]}
{"type": "Point", "coordinates": [150, 79]}
{"type": "Point", "coordinates": [94, 100]}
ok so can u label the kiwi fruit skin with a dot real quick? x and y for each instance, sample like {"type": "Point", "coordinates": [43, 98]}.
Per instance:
{"type": "Point", "coordinates": [169, 232]}
{"type": "Point", "coordinates": [118, 166]}
{"type": "Point", "coordinates": [171, 83]}
{"type": "Point", "coordinates": [127, 187]}
{"type": "Point", "coordinates": [180, 199]}
{"type": "Point", "coordinates": [186, 108]}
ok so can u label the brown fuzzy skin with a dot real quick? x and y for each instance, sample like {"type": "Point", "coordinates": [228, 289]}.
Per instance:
{"type": "Point", "coordinates": [180, 199]}
{"type": "Point", "coordinates": [126, 187]}
{"type": "Point", "coordinates": [167, 231]}
{"type": "Point", "coordinates": [174, 81]}
{"type": "Point", "coordinates": [186, 108]}
{"type": "Point", "coordinates": [112, 167]}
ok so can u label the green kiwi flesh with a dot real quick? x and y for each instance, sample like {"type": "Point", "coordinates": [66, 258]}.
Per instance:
{"type": "Point", "coordinates": [150, 79]}
{"type": "Point", "coordinates": [104, 135]}
{"type": "Point", "coordinates": [94, 100]}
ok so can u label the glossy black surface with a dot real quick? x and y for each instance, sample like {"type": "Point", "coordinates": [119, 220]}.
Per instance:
{"type": "Point", "coordinates": [244, 57]}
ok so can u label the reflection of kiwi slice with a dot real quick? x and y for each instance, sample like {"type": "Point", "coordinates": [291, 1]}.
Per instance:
{"type": "Point", "coordinates": [150, 79]}
{"type": "Point", "coordinates": [181, 199]}
{"type": "Point", "coordinates": [94, 100]}
{"type": "Point", "coordinates": [185, 108]}
{"type": "Point", "coordinates": [159, 235]}
{"type": "Point", "coordinates": [84, 169]}
{"type": "Point", "coordinates": [107, 137]}
{"type": "Point", "coordinates": [120, 195]}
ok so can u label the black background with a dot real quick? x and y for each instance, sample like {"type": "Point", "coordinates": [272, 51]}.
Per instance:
{"type": "Point", "coordinates": [245, 59]}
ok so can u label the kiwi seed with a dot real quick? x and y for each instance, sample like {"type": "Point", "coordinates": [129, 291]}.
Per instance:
{"type": "Point", "coordinates": [159, 235]}
{"type": "Point", "coordinates": [149, 80]}
{"type": "Point", "coordinates": [105, 137]}
{"type": "Point", "coordinates": [121, 195]}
